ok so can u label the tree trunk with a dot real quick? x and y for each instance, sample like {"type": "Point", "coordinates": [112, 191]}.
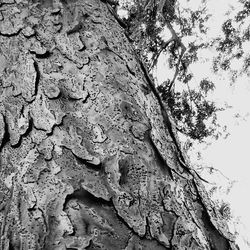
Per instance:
{"type": "Point", "coordinates": [87, 160]}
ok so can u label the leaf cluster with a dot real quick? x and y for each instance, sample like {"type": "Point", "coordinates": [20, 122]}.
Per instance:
{"type": "Point", "coordinates": [191, 110]}
{"type": "Point", "coordinates": [230, 46]}
{"type": "Point", "coordinates": [148, 21]}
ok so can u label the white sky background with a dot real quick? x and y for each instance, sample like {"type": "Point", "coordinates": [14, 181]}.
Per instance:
{"type": "Point", "coordinates": [230, 155]}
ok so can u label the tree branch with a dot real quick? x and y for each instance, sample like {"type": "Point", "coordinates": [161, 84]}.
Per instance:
{"type": "Point", "coordinates": [173, 38]}
{"type": "Point", "coordinates": [156, 56]}
{"type": "Point", "coordinates": [183, 49]}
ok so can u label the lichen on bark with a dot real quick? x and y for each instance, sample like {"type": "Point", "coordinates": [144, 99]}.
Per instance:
{"type": "Point", "coordinates": [86, 161]}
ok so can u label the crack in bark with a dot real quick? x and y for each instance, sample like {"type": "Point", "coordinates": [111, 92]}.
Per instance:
{"type": "Point", "coordinates": [2, 3]}
{"type": "Point", "coordinates": [159, 156]}
{"type": "Point", "coordinates": [55, 125]}
{"type": "Point", "coordinates": [113, 12]}
{"type": "Point", "coordinates": [91, 166]}
{"type": "Point", "coordinates": [41, 56]}
{"type": "Point", "coordinates": [11, 34]}
{"type": "Point", "coordinates": [6, 136]}
{"type": "Point", "coordinates": [86, 197]}
{"type": "Point", "coordinates": [130, 71]}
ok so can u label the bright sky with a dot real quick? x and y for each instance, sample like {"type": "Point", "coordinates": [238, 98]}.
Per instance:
{"type": "Point", "coordinates": [230, 155]}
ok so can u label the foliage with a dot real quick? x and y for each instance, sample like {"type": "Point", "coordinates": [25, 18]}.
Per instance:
{"type": "Point", "coordinates": [230, 45]}
{"type": "Point", "coordinates": [146, 27]}
{"type": "Point", "coordinates": [147, 23]}
{"type": "Point", "coordinates": [191, 109]}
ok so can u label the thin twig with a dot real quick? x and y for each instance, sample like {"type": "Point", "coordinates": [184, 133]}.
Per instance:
{"type": "Point", "coordinates": [173, 38]}
{"type": "Point", "coordinates": [156, 56]}
{"type": "Point", "coordinates": [183, 49]}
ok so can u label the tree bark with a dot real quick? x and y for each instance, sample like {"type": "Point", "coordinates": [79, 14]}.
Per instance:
{"type": "Point", "coordinates": [86, 159]}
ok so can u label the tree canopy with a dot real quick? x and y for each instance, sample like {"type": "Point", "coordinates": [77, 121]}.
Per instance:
{"type": "Point", "coordinates": [171, 28]}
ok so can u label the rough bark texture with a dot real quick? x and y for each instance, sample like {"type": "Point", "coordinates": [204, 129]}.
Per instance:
{"type": "Point", "coordinates": [86, 160]}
